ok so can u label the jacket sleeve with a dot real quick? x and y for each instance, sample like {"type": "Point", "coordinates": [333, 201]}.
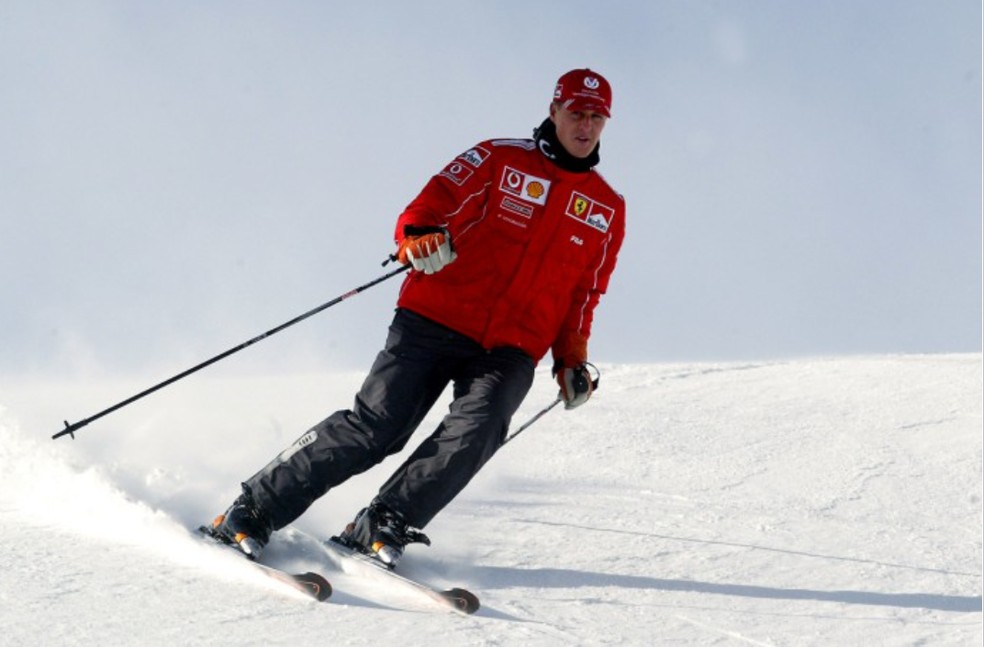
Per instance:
{"type": "Point", "coordinates": [570, 348]}
{"type": "Point", "coordinates": [444, 199]}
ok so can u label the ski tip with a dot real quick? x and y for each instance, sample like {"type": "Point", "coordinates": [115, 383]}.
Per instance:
{"type": "Point", "coordinates": [462, 600]}
{"type": "Point", "coordinates": [316, 585]}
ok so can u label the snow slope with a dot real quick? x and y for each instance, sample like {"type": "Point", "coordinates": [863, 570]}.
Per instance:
{"type": "Point", "coordinates": [809, 502]}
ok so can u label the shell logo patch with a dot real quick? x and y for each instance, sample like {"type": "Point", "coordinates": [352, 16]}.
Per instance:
{"type": "Point", "coordinates": [524, 186]}
{"type": "Point", "coordinates": [590, 212]}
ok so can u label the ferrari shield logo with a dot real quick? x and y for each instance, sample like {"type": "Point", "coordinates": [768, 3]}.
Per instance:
{"type": "Point", "coordinates": [590, 212]}
{"type": "Point", "coordinates": [580, 206]}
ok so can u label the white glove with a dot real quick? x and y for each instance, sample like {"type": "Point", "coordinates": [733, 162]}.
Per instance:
{"type": "Point", "coordinates": [427, 253]}
{"type": "Point", "coordinates": [575, 385]}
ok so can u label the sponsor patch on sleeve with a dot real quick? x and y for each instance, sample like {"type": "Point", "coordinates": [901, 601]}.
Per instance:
{"type": "Point", "coordinates": [590, 212]}
{"type": "Point", "coordinates": [475, 156]}
{"type": "Point", "coordinates": [457, 172]}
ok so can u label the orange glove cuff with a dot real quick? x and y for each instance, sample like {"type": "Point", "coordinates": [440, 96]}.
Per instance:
{"type": "Point", "coordinates": [571, 349]}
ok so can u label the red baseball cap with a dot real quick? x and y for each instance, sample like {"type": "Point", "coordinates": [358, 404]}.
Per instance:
{"type": "Point", "coordinates": [584, 90]}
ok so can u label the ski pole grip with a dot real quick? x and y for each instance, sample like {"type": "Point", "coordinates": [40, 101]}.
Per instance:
{"type": "Point", "coordinates": [588, 366]}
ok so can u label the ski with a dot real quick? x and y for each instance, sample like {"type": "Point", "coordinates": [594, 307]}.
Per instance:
{"type": "Point", "coordinates": [354, 562]}
{"type": "Point", "coordinates": [310, 584]}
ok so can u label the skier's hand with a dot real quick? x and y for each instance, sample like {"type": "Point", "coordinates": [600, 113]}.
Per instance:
{"type": "Point", "coordinates": [575, 384]}
{"type": "Point", "coordinates": [428, 253]}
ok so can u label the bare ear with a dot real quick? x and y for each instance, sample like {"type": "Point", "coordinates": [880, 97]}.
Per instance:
{"type": "Point", "coordinates": [553, 111]}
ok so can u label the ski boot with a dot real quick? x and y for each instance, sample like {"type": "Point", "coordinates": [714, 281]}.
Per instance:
{"type": "Point", "coordinates": [243, 525]}
{"type": "Point", "coordinates": [381, 533]}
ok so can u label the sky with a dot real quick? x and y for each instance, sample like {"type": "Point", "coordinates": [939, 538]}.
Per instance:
{"type": "Point", "coordinates": [801, 179]}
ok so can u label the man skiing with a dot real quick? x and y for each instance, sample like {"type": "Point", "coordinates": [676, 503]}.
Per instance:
{"type": "Point", "coordinates": [511, 246]}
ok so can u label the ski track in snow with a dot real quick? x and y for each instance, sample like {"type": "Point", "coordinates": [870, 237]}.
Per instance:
{"type": "Point", "coordinates": [831, 501]}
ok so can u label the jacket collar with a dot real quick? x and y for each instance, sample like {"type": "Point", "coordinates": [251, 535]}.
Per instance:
{"type": "Point", "coordinates": [545, 136]}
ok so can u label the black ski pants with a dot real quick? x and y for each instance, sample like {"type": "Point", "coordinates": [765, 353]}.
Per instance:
{"type": "Point", "coordinates": [419, 360]}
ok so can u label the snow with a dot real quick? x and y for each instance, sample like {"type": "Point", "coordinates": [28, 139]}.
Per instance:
{"type": "Point", "coordinates": [823, 501]}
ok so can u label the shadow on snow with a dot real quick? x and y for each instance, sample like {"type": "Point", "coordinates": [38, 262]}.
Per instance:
{"type": "Point", "coordinates": [549, 577]}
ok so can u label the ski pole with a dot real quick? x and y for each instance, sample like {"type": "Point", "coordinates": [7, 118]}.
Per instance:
{"type": "Point", "coordinates": [71, 428]}
{"type": "Point", "coordinates": [529, 422]}
{"type": "Point", "coordinates": [594, 387]}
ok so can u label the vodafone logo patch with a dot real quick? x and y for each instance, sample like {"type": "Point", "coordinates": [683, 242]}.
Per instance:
{"type": "Point", "coordinates": [525, 186]}
{"type": "Point", "coordinates": [457, 172]}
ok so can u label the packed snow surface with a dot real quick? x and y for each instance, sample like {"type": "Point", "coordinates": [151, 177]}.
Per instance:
{"type": "Point", "coordinates": [832, 501]}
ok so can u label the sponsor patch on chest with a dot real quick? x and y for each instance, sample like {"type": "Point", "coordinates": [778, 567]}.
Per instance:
{"type": "Point", "coordinates": [509, 204]}
{"type": "Point", "coordinates": [590, 212]}
{"type": "Point", "coordinates": [524, 186]}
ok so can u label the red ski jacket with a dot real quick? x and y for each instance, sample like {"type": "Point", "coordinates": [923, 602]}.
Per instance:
{"type": "Point", "coordinates": [536, 246]}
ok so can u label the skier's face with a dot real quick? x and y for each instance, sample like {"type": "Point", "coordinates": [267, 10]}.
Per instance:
{"type": "Point", "coordinates": [578, 131]}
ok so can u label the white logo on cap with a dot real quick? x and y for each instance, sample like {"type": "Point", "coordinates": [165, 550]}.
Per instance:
{"type": "Point", "coordinates": [591, 83]}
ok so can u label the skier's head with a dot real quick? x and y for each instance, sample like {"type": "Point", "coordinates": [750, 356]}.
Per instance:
{"type": "Point", "coordinates": [584, 90]}
{"type": "Point", "coordinates": [581, 106]}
